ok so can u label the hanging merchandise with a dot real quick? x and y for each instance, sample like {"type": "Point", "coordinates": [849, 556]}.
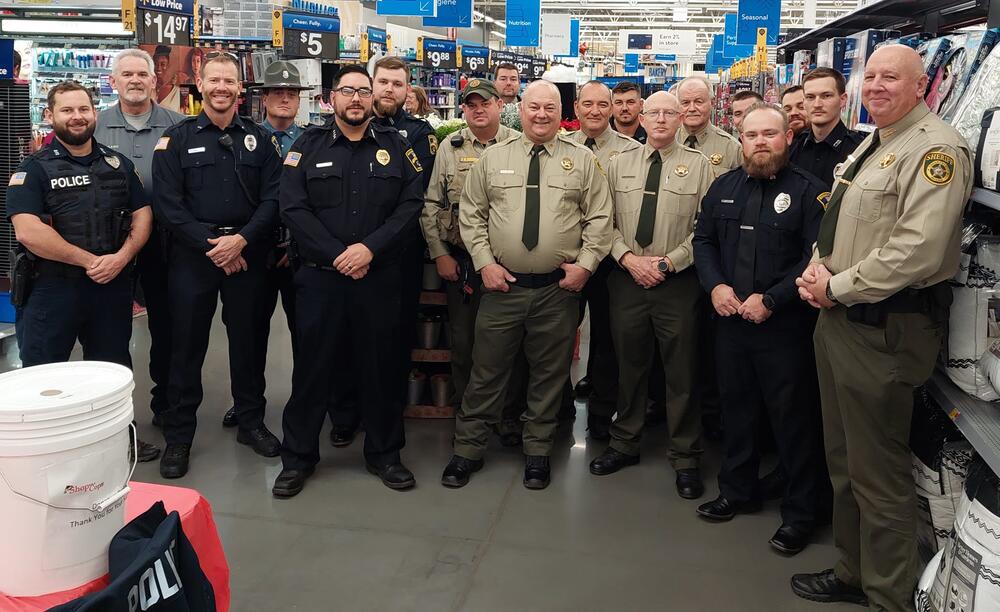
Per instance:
{"type": "Point", "coordinates": [933, 53]}
{"type": "Point", "coordinates": [973, 319]}
{"type": "Point", "coordinates": [975, 51]}
{"type": "Point", "coordinates": [987, 170]}
{"type": "Point", "coordinates": [855, 57]}
{"type": "Point", "coordinates": [985, 85]}
{"type": "Point", "coordinates": [939, 88]}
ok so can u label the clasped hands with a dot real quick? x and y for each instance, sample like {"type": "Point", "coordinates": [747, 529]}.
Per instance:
{"type": "Point", "coordinates": [813, 284]}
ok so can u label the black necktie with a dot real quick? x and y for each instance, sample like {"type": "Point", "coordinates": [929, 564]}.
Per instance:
{"type": "Point", "coordinates": [691, 142]}
{"type": "Point", "coordinates": [647, 214]}
{"type": "Point", "coordinates": [828, 227]}
{"type": "Point", "coordinates": [746, 249]}
{"type": "Point", "coordinates": [590, 144]}
{"type": "Point", "coordinates": [529, 235]}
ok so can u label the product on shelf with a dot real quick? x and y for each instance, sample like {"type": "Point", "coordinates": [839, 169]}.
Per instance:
{"type": "Point", "coordinates": [933, 53]}
{"type": "Point", "coordinates": [987, 169]}
{"type": "Point", "coordinates": [970, 321]}
{"type": "Point", "coordinates": [856, 55]}
{"type": "Point", "coordinates": [984, 93]}
{"type": "Point", "coordinates": [976, 49]}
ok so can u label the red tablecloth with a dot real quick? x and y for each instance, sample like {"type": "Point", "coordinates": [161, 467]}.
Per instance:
{"type": "Point", "coordinates": [199, 527]}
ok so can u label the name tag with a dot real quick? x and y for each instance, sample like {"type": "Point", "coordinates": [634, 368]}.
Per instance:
{"type": "Point", "coordinates": [468, 160]}
{"type": "Point", "coordinates": [197, 150]}
{"type": "Point", "coordinates": [324, 164]}
{"type": "Point", "coordinates": [506, 172]}
{"type": "Point", "coordinates": [726, 201]}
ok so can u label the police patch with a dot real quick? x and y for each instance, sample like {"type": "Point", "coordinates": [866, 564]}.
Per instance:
{"type": "Point", "coordinates": [17, 179]}
{"type": "Point", "coordinates": [250, 142]}
{"type": "Point", "coordinates": [293, 159]}
{"type": "Point", "coordinates": [113, 161]}
{"type": "Point", "coordinates": [410, 155]}
{"type": "Point", "coordinates": [939, 168]}
{"type": "Point", "coordinates": [824, 199]}
{"type": "Point", "coordinates": [432, 139]}
{"type": "Point", "coordinates": [161, 144]}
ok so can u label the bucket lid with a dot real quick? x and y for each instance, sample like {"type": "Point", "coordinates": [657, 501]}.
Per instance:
{"type": "Point", "coordinates": [57, 390]}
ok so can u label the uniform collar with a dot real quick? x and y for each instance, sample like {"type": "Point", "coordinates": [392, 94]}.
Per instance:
{"type": "Point", "coordinates": [203, 121]}
{"type": "Point", "coordinates": [701, 135]}
{"type": "Point", "coordinates": [777, 177]}
{"type": "Point", "coordinates": [648, 150]}
{"type": "Point", "coordinates": [370, 133]}
{"type": "Point", "coordinates": [115, 118]}
{"type": "Point", "coordinates": [292, 130]}
{"type": "Point", "coordinates": [468, 135]}
{"type": "Point", "coordinates": [400, 116]}
{"type": "Point", "coordinates": [909, 119]}
{"type": "Point", "coordinates": [834, 138]}
{"type": "Point", "coordinates": [550, 146]}
{"type": "Point", "coordinates": [97, 149]}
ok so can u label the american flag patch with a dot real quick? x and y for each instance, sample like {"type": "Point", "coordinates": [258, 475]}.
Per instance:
{"type": "Point", "coordinates": [293, 159]}
{"type": "Point", "coordinates": [161, 144]}
{"type": "Point", "coordinates": [17, 179]}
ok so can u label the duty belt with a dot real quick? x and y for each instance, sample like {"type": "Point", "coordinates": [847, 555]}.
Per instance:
{"type": "Point", "coordinates": [933, 301]}
{"type": "Point", "coordinates": [537, 281]}
{"type": "Point", "coordinates": [47, 267]}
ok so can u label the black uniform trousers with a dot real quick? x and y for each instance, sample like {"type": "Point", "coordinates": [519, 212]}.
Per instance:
{"type": "Point", "coordinates": [278, 281]}
{"type": "Point", "coordinates": [195, 285]}
{"type": "Point", "coordinates": [602, 365]}
{"type": "Point", "coordinates": [64, 308]}
{"type": "Point", "coordinates": [769, 369]}
{"type": "Point", "coordinates": [151, 266]}
{"type": "Point", "coordinates": [336, 315]}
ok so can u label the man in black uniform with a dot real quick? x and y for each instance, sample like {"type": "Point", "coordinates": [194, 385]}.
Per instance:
{"type": "Point", "coordinates": [754, 237]}
{"type": "Point", "coordinates": [351, 193]}
{"type": "Point", "coordinates": [80, 216]}
{"type": "Point", "coordinates": [216, 179]}
{"type": "Point", "coordinates": [626, 107]}
{"type": "Point", "coordinates": [828, 142]}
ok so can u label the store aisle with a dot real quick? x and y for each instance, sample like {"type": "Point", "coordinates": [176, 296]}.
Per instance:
{"type": "Point", "coordinates": [624, 542]}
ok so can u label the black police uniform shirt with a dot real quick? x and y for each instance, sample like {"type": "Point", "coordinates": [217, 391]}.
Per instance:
{"type": "Point", "coordinates": [197, 186]}
{"type": "Point", "coordinates": [336, 192]}
{"type": "Point", "coordinates": [419, 134]}
{"type": "Point", "coordinates": [820, 158]}
{"type": "Point", "coordinates": [640, 132]}
{"type": "Point", "coordinates": [30, 184]}
{"type": "Point", "coordinates": [790, 214]}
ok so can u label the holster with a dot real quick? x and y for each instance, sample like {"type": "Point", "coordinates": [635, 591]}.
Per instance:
{"type": "Point", "coordinates": [22, 269]}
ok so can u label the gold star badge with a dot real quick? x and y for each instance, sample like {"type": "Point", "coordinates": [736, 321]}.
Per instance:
{"type": "Point", "coordinates": [715, 158]}
{"type": "Point", "coordinates": [382, 157]}
{"type": "Point", "coordinates": [567, 163]}
{"type": "Point", "coordinates": [681, 170]}
{"type": "Point", "coordinates": [887, 160]}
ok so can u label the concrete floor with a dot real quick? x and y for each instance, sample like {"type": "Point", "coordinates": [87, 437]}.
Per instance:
{"type": "Point", "coordinates": [625, 542]}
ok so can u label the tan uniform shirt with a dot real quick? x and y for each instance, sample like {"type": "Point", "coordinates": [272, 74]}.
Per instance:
{"type": "Point", "coordinates": [900, 218]}
{"type": "Point", "coordinates": [575, 217]}
{"type": "Point", "coordinates": [439, 218]}
{"type": "Point", "coordinates": [722, 150]}
{"type": "Point", "coordinates": [607, 145]}
{"type": "Point", "coordinates": [684, 179]}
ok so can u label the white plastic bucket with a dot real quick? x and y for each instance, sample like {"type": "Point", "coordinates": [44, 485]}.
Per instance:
{"type": "Point", "coordinates": [64, 472]}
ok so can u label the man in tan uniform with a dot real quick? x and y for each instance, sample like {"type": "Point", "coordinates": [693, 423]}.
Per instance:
{"type": "Point", "coordinates": [888, 243]}
{"type": "Point", "coordinates": [536, 218]}
{"type": "Point", "coordinates": [481, 106]}
{"type": "Point", "coordinates": [697, 132]}
{"type": "Point", "coordinates": [655, 295]}
{"type": "Point", "coordinates": [593, 109]}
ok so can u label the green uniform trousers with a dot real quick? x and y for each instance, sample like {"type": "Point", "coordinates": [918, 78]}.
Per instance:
{"type": "Point", "coordinates": [543, 321]}
{"type": "Point", "coordinates": [867, 375]}
{"type": "Point", "coordinates": [668, 315]}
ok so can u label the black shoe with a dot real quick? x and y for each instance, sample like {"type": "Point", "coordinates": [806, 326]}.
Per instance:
{"type": "Point", "coordinates": [789, 540]}
{"type": "Point", "coordinates": [772, 486]}
{"type": "Point", "coordinates": [536, 472]}
{"type": "Point", "coordinates": [147, 452]}
{"type": "Point", "coordinates": [825, 587]}
{"type": "Point", "coordinates": [394, 475]}
{"type": "Point", "coordinates": [262, 441]}
{"type": "Point", "coordinates": [342, 436]}
{"type": "Point", "coordinates": [158, 421]}
{"type": "Point", "coordinates": [289, 483]}
{"type": "Point", "coordinates": [689, 485]}
{"type": "Point", "coordinates": [655, 414]}
{"type": "Point", "coordinates": [174, 463]}
{"type": "Point", "coordinates": [611, 461]}
{"type": "Point", "coordinates": [598, 428]}
{"type": "Point", "coordinates": [721, 509]}
{"type": "Point", "coordinates": [456, 473]}
{"type": "Point", "coordinates": [229, 419]}
{"type": "Point", "coordinates": [583, 388]}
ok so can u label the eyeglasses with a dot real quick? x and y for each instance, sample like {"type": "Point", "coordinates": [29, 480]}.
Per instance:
{"type": "Point", "coordinates": [348, 92]}
{"type": "Point", "coordinates": [656, 114]}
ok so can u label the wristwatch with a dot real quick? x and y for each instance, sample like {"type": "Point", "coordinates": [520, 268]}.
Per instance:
{"type": "Point", "coordinates": [829, 294]}
{"type": "Point", "coordinates": [663, 266]}
{"type": "Point", "coordinates": [768, 301]}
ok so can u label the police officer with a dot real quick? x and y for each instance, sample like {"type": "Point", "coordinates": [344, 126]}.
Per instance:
{"type": "Point", "coordinates": [827, 142]}
{"type": "Point", "coordinates": [351, 193]}
{"type": "Point", "coordinates": [80, 214]}
{"type": "Point", "coordinates": [216, 181]}
{"type": "Point", "coordinates": [754, 237]}
{"type": "Point", "coordinates": [655, 297]}
{"type": "Point", "coordinates": [697, 132]}
{"type": "Point", "coordinates": [593, 109]}
{"type": "Point", "coordinates": [887, 244]}
{"type": "Point", "coordinates": [507, 79]}
{"type": "Point", "coordinates": [534, 259]}
{"type": "Point", "coordinates": [481, 107]}
{"type": "Point", "coordinates": [626, 101]}
{"type": "Point", "coordinates": [793, 102]}
{"type": "Point", "coordinates": [132, 128]}
{"type": "Point", "coordinates": [742, 101]}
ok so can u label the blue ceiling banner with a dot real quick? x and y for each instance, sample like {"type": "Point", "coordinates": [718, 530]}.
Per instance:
{"type": "Point", "coordinates": [755, 14]}
{"type": "Point", "coordinates": [731, 50]}
{"type": "Point", "coordinates": [574, 39]}
{"type": "Point", "coordinates": [451, 14]}
{"type": "Point", "coordinates": [631, 62]}
{"type": "Point", "coordinates": [408, 8]}
{"type": "Point", "coordinates": [524, 18]}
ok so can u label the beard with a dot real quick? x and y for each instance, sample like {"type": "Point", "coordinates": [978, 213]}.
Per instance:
{"type": "Point", "coordinates": [343, 116]}
{"type": "Point", "coordinates": [64, 134]}
{"type": "Point", "coordinates": [386, 108]}
{"type": "Point", "coordinates": [769, 166]}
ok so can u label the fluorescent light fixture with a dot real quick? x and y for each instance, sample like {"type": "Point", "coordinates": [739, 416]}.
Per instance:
{"type": "Point", "coordinates": [69, 27]}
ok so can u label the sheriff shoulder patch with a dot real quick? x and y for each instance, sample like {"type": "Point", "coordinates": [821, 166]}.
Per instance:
{"type": "Point", "coordinates": [17, 179]}
{"type": "Point", "coordinates": [410, 155]}
{"type": "Point", "coordinates": [433, 141]}
{"type": "Point", "coordinates": [293, 158]}
{"type": "Point", "coordinates": [161, 144]}
{"type": "Point", "coordinates": [824, 199]}
{"type": "Point", "coordinates": [939, 168]}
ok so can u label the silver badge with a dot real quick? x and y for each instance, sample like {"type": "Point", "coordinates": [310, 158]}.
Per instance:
{"type": "Point", "coordinates": [284, 74]}
{"type": "Point", "coordinates": [113, 161]}
{"type": "Point", "coordinates": [250, 142]}
{"type": "Point", "coordinates": [782, 202]}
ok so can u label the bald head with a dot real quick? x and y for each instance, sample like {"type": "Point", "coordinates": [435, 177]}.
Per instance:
{"type": "Point", "coordinates": [894, 83]}
{"type": "Point", "coordinates": [541, 88]}
{"type": "Point", "coordinates": [661, 118]}
{"type": "Point", "coordinates": [541, 110]}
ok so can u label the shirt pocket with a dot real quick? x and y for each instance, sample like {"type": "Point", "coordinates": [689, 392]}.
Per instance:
{"type": "Point", "coordinates": [566, 190]}
{"type": "Point", "coordinates": [195, 166]}
{"type": "Point", "coordinates": [628, 196]}
{"type": "Point", "coordinates": [872, 194]}
{"type": "Point", "coordinates": [682, 198]}
{"type": "Point", "coordinates": [250, 171]}
{"type": "Point", "coordinates": [727, 222]}
{"type": "Point", "coordinates": [325, 186]}
{"type": "Point", "coordinates": [506, 190]}
{"type": "Point", "coordinates": [386, 183]}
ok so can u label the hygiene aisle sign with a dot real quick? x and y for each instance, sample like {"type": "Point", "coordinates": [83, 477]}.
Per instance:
{"type": "Point", "coordinates": [451, 14]}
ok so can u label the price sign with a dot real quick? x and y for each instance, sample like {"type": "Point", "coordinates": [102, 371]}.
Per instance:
{"type": "Point", "coordinates": [501, 57]}
{"type": "Point", "coordinates": [538, 67]}
{"type": "Point", "coordinates": [311, 36]}
{"type": "Point", "coordinates": [523, 63]}
{"type": "Point", "coordinates": [375, 42]}
{"type": "Point", "coordinates": [439, 54]}
{"type": "Point", "coordinates": [474, 59]}
{"type": "Point", "coordinates": [164, 22]}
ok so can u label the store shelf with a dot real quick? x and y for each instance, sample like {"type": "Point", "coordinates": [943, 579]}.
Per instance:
{"type": "Point", "coordinates": [430, 355]}
{"type": "Point", "coordinates": [978, 421]}
{"type": "Point", "coordinates": [433, 298]}
{"type": "Point", "coordinates": [986, 197]}
{"type": "Point", "coordinates": [440, 88]}
{"type": "Point", "coordinates": [423, 411]}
